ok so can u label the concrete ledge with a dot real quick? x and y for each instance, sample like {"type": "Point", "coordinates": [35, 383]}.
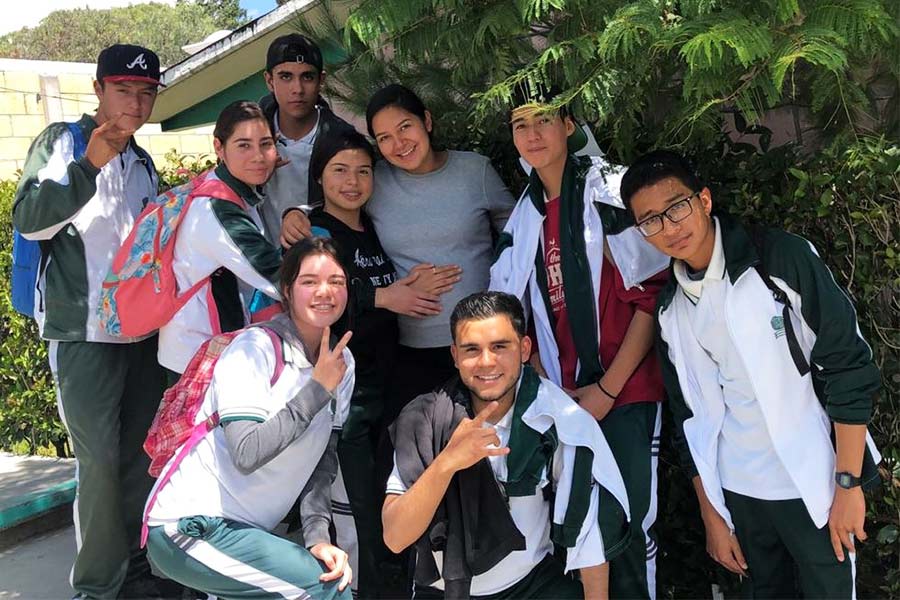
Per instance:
{"type": "Point", "coordinates": [35, 504]}
{"type": "Point", "coordinates": [39, 524]}
{"type": "Point", "coordinates": [36, 495]}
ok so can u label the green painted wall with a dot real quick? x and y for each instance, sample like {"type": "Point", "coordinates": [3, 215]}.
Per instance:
{"type": "Point", "coordinates": [252, 88]}
{"type": "Point", "coordinates": [206, 112]}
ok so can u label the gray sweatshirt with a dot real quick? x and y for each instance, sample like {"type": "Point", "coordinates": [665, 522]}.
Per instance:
{"type": "Point", "coordinates": [443, 217]}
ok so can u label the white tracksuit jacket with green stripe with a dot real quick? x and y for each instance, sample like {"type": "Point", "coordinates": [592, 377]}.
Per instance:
{"type": "Point", "coordinates": [218, 236]}
{"type": "Point", "coordinates": [798, 409]}
{"type": "Point", "coordinates": [81, 216]}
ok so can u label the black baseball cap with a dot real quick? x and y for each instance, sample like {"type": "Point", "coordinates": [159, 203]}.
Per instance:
{"type": "Point", "coordinates": [293, 48]}
{"type": "Point", "coordinates": [124, 62]}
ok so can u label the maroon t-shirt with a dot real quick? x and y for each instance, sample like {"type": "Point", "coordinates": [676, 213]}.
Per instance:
{"type": "Point", "coordinates": [616, 307]}
{"type": "Point", "coordinates": [568, 356]}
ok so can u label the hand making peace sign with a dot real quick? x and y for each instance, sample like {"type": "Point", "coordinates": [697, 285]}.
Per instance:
{"type": "Point", "coordinates": [330, 365]}
{"type": "Point", "coordinates": [107, 141]}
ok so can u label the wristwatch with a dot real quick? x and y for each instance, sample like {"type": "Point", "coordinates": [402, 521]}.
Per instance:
{"type": "Point", "coordinates": [846, 480]}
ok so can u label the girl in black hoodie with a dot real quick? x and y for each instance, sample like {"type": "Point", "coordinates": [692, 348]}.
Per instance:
{"type": "Point", "coordinates": [343, 164]}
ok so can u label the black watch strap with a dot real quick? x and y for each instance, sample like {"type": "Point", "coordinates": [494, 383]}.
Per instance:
{"type": "Point", "coordinates": [847, 480]}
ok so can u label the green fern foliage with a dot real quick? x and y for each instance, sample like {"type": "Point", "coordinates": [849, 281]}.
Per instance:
{"type": "Point", "coordinates": [724, 39]}
{"type": "Point", "coordinates": [629, 31]}
{"type": "Point", "coordinates": [643, 72]}
{"type": "Point", "coordinates": [815, 45]}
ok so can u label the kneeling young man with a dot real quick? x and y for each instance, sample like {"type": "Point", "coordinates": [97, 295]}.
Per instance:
{"type": "Point", "coordinates": [487, 528]}
{"type": "Point", "coordinates": [763, 363]}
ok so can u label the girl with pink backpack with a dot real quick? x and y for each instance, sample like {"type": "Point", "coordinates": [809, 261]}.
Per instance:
{"type": "Point", "coordinates": [278, 416]}
{"type": "Point", "coordinates": [220, 247]}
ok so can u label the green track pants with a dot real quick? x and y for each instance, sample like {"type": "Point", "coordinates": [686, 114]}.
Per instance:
{"type": "Point", "coordinates": [788, 556]}
{"type": "Point", "coordinates": [231, 560]}
{"type": "Point", "coordinates": [632, 432]}
{"type": "Point", "coordinates": [107, 396]}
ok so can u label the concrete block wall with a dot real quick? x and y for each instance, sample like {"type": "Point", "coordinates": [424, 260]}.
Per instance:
{"type": "Point", "coordinates": [36, 93]}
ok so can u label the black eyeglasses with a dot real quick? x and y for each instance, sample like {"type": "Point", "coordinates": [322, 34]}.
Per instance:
{"type": "Point", "coordinates": [679, 211]}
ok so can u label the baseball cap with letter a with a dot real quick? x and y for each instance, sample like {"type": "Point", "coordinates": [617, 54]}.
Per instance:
{"type": "Point", "coordinates": [125, 62]}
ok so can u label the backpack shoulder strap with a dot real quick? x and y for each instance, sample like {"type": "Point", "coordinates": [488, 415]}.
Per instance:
{"type": "Point", "coordinates": [78, 139]}
{"type": "Point", "coordinates": [197, 433]}
{"type": "Point", "coordinates": [279, 354]}
{"type": "Point", "coordinates": [218, 189]}
{"type": "Point", "coordinates": [757, 236]}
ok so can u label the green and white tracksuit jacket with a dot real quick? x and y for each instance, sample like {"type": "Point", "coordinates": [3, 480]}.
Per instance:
{"type": "Point", "coordinates": [81, 215]}
{"type": "Point", "coordinates": [226, 243]}
{"type": "Point", "coordinates": [604, 219]}
{"type": "Point", "coordinates": [798, 409]}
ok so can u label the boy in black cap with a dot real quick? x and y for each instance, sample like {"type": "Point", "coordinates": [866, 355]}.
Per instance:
{"type": "Point", "coordinates": [82, 187]}
{"type": "Point", "coordinates": [299, 117]}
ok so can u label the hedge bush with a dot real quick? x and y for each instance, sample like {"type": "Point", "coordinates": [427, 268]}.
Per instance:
{"type": "Point", "coordinates": [845, 199]}
{"type": "Point", "coordinates": [28, 416]}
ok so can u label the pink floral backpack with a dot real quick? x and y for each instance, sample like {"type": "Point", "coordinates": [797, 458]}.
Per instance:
{"type": "Point", "coordinates": [140, 293]}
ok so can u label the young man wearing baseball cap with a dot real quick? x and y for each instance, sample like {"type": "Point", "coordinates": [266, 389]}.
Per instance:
{"type": "Point", "coordinates": [82, 187]}
{"type": "Point", "coordinates": [299, 117]}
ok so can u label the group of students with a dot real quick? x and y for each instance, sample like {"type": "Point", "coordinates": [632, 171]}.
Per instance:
{"type": "Point", "coordinates": [364, 411]}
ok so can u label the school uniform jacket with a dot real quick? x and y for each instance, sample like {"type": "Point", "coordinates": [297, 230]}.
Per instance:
{"type": "Point", "coordinates": [223, 241]}
{"type": "Point", "coordinates": [80, 215]}
{"type": "Point", "coordinates": [208, 481]}
{"type": "Point", "coordinates": [514, 270]}
{"type": "Point", "coordinates": [798, 409]}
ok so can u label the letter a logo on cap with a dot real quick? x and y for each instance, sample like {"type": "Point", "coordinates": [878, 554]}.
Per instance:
{"type": "Point", "coordinates": [139, 61]}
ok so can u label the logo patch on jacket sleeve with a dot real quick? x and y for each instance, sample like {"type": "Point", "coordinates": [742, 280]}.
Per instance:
{"type": "Point", "coordinates": [778, 325]}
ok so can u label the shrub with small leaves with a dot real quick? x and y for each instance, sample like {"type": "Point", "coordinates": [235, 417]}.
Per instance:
{"type": "Point", "coordinates": [29, 420]}
{"type": "Point", "coordinates": [28, 414]}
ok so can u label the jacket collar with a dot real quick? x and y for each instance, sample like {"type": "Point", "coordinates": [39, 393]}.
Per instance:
{"type": "Point", "coordinates": [293, 346]}
{"type": "Point", "coordinates": [737, 249]}
{"type": "Point", "coordinates": [715, 271]}
{"type": "Point", "coordinates": [740, 254]}
{"type": "Point", "coordinates": [247, 193]}
{"type": "Point", "coordinates": [309, 138]}
{"type": "Point", "coordinates": [87, 124]}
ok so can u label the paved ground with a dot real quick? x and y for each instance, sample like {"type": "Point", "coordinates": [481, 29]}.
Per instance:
{"type": "Point", "coordinates": [38, 569]}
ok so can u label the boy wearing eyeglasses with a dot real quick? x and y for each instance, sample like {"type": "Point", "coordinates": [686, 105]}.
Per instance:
{"type": "Point", "coordinates": [770, 384]}
{"type": "Point", "coordinates": [570, 254]}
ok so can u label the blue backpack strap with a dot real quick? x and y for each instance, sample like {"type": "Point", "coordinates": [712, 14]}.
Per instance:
{"type": "Point", "coordinates": [80, 145]}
